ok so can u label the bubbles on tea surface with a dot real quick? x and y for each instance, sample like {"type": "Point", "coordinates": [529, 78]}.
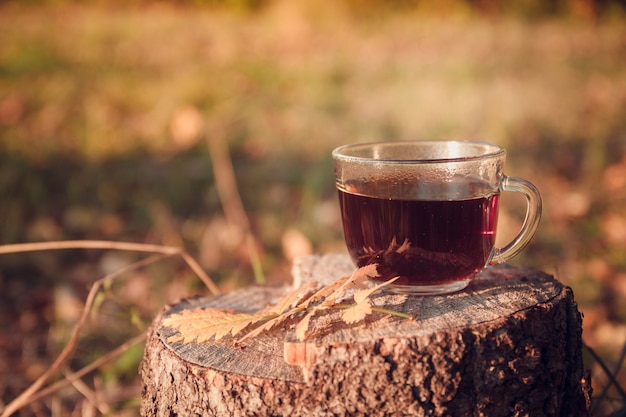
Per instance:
{"type": "Point", "coordinates": [413, 187]}
{"type": "Point", "coordinates": [457, 188]}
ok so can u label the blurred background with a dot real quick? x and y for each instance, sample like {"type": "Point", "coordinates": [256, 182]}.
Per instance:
{"type": "Point", "coordinates": [208, 125]}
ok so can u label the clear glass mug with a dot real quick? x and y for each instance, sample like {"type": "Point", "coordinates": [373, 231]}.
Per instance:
{"type": "Point", "coordinates": [427, 211]}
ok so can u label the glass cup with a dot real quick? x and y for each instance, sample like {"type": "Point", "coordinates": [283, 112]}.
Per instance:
{"type": "Point", "coordinates": [427, 211]}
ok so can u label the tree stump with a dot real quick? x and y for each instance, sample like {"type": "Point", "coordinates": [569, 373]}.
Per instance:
{"type": "Point", "coordinates": [508, 345]}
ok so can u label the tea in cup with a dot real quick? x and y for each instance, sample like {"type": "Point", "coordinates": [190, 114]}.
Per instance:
{"type": "Point", "coordinates": [427, 211]}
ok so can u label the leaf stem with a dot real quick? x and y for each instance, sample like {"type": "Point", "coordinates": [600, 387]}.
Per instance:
{"type": "Point", "coordinates": [393, 313]}
{"type": "Point", "coordinates": [376, 309]}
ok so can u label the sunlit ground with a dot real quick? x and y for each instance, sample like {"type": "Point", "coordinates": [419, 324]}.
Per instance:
{"type": "Point", "coordinates": [106, 120]}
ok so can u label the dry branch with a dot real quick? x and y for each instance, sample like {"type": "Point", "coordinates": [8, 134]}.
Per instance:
{"type": "Point", "coordinates": [106, 244]}
{"type": "Point", "coordinates": [31, 393]}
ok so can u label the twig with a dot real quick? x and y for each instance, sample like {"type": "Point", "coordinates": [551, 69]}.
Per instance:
{"type": "Point", "coordinates": [255, 260]}
{"type": "Point", "coordinates": [225, 180]}
{"type": "Point", "coordinates": [608, 372]}
{"type": "Point", "coordinates": [86, 244]}
{"type": "Point", "coordinates": [105, 244]}
{"type": "Point", "coordinates": [195, 267]}
{"type": "Point", "coordinates": [25, 397]}
{"type": "Point", "coordinates": [616, 370]}
{"type": "Point", "coordinates": [226, 184]}
{"type": "Point", "coordinates": [73, 376]}
{"type": "Point", "coordinates": [90, 396]}
{"type": "Point", "coordinates": [619, 413]}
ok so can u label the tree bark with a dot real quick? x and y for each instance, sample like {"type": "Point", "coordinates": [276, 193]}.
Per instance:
{"type": "Point", "coordinates": [508, 345]}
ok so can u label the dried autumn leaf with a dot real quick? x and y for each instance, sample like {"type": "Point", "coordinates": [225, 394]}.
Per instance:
{"type": "Point", "coordinates": [202, 324]}
{"type": "Point", "coordinates": [270, 323]}
{"type": "Point", "coordinates": [360, 276]}
{"type": "Point", "coordinates": [324, 292]}
{"type": "Point", "coordinates": [356, 312]}
{"type": "Point", "coordinates": [293, 299]}
{"type": "Point", "coordinates": [331, 291]}
{"type": "Point", "coordinates": [303, 326]}
{"type": "Point", "coordinates": [355, 281]}
{"type": "Point", "coordinates": [366, 293]}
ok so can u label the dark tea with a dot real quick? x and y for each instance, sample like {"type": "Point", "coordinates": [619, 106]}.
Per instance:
{"type": "Point", "coordinates": [426, 211]}
{"type": "Point", "coordinates": [425, 239]}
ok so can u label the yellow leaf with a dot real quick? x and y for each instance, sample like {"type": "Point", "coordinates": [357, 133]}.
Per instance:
{"type": "Point", "coordinates": [364, 294]}
{"type": "Point", "coordinates": [357, 312]}
{"type": "Point", "coordinates": [270, 323]}
{"type": "Point", "coordinates": [325, 291]}
{"type": "Point", "coordinates": [303, 326]}
{"type": "Point", "coordinates": [294, 298]}
{"type": "Point", "coordinates": [356, 280]}
{"type": "Point", "coordinates": [202, 324]}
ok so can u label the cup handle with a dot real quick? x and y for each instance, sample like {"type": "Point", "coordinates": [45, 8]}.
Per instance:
{"type": "Point", "coordinates": [531, 221]}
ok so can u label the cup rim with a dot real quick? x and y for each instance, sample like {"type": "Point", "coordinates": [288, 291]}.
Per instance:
{"type": "Point", "coordinates": [337, 153]}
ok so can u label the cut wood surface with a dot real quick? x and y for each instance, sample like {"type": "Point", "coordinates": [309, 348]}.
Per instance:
{"type": "Point", "coordinates": [509, 344]}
